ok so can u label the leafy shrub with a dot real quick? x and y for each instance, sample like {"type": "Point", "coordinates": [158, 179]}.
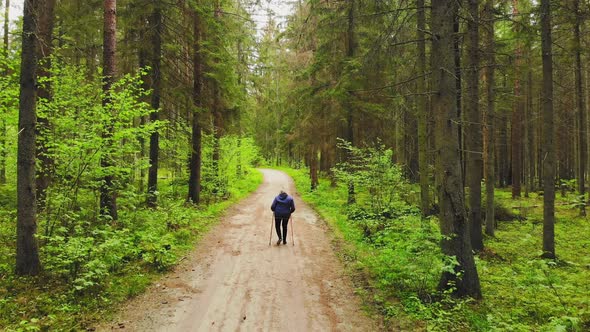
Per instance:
{"type": "Point", "coordinates": [377, 179]}
{"type": "Point", "coordinates": [157, 250]}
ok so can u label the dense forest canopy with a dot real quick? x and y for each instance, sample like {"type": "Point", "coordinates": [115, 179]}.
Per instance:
{"type": "Point", "coordinates": [124, 121]}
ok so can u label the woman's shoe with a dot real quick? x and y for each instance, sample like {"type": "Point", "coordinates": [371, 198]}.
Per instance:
{"type": "Point", "coordinates": [279, 242]}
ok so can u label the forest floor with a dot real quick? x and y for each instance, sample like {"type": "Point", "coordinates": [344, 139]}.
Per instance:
{"type": "Point", "coordinates": [235, 281]}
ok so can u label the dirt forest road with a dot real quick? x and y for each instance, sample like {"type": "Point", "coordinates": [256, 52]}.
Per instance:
{"type": "Point", "coordinates": [235, 281]}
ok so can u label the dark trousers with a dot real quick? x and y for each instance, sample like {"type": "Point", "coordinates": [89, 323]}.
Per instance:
{"type": "Point", "coordinates": [284, 221]}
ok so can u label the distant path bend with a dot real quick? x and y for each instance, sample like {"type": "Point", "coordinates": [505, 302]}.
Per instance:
{"type": "Point", "coordinates": [235, 281]}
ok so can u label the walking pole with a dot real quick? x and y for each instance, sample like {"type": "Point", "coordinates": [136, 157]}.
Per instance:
{"type": "Point", "coordinates": [271, 221]}
{"type": "Point", "coordinates": [292, 227]}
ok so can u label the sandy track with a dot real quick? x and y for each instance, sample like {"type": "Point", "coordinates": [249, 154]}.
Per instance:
{"type": "Point", "coordinates": [235, 281]}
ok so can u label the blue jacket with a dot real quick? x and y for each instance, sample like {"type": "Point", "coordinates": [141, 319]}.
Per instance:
{"type": "Point", "coordinates": [283, 205]}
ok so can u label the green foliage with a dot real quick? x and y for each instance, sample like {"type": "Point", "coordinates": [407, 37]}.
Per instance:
{"type": "Point", "coordinates": [397, 267]}
{"type": "Point", "coordinates": [374, 173]}
{"type": "Point", "coordinates": [90, 267]}
{"type": "Point", "coordinates": [237, 153]}
{"type": "Point", "coordinates": [9, 92]}
{"type": "Point", "coordinates": [90, 263]}
{"type": "Point", "coordinates": [380, 186]}
{"type": "Point", "coordinates": [76, 142]}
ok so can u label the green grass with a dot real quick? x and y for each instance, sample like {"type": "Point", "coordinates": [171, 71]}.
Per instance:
{"type": "Point", "coordinates": [119, 261]}
{"type": "Point", "coordinates": [397, 268]}
{"type": "Point", "coordinates": [523, 292]}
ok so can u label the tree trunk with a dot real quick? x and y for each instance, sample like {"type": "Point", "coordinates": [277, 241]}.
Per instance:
{"type": "Point", "coordinates": [526, 147]}
{"type": "Point", "coordinates": [583, 147]}
{"type": "Point", "coordinates": [324, 157]}
{"type": "Point", "coordinates": [143, 63]}
{"type": "Point", "coordinates": [411, 146]}
{"type": "Point", "coordinates": [350, 50]}
{"type": "Point", "coordinates": [422, 112]}
{"type": "Point", "coordinates": [541, 155]}
{"type": "Point", "coordinates": [27, 251]}
{"type": "Point", "coordinates": [400, 128]}
{"type": "Point", "coordinates": [194, 184]}
{"type": "Point", "coordinates": [490, 112]}
{"type": "Point", "coordinates": [3, 153]}
{"type": "Point", "coordinates": [218, 116]}
{"type": "Point", "coordinates": [503, 157]}
{"type": "Point", "coordinates": [244, 64]}
{"type": "Point", "coordinates": [458, 97]}
{"type": "Point", "coordinates": [156, 56]}
{"type": "Point", "coordinates": [218, 130]}
{"type": "Point", "coordinates": [548, 141]}
{"type": "Point", "coordinates": [453, 219]}
{"type": "Point", "coordinates": [108, 198]}
{"type": "Point", "coordinates": [473, 142]}
{"type": "Point", "coordinates": [516, 126]}
{"type": "Point", "coordinates": [313, 167]}
{"type": "Point", "coordinates": [587, 123]}
{"type": "Point", "coordinates": [530, 129]}
{"type": "Point", "coordinates": [45, 28]}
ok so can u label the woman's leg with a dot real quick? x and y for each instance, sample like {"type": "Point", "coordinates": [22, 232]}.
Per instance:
{"type": "Point", "coordinates": [278, 226]}
{"type": "Point", "coordinates": [285, 223]}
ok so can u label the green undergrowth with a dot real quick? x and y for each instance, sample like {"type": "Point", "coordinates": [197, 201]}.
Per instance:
{"type": "Point", "coordinates": [86, 274]}
{"type": "Point", "coordinates": [396, 262]}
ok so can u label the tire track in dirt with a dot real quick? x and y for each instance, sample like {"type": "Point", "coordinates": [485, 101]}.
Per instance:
{"type": "Point", "coordinates": [235, 281]}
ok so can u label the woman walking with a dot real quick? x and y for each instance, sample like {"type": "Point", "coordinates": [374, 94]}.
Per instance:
{"type": "Point", "coordinates": [282, 206]}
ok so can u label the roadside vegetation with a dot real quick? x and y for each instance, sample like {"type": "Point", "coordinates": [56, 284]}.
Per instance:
{"type": "Point", "coordinates": [395, 259]}
{"type": "Point", "coordinates": [91, 265]}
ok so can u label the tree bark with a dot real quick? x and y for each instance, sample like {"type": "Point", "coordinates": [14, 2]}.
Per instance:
{"type": "Point", "coordinates": [350, 50]}
{"type": "Point", "coordinates": [473, 142]}
{"type": "Point", "coordinates": [529, 154]}
{"type": "Point", "coordinates": [45, 49]}
{"type": "Point", "coordinates": [27, 251]}
{"type": "Point", "coordinates": [502, 155]}
{"type": "Point", "coordinates": [143, 62]}
{"type": "Point", "coordinates": [516, 125]}
{"type": "Point", "coordinates": [540, 154]}
{"type": "Point", "coordinates": [411, 146]}
{"type": "Point", "coordinates": [218, 109]}
{"type": "Point", "coordinates": [108, 198]}
{"type": "Point", "coordinates": [490, 112]}
{"type": "Point", "coordinates": [244, 64]}
{"type": "Point", "coordinates": [526, 119]}
{"type": "Point", "coordinates": [458, 97]}
{"type": "Point", "coordinates": [218, 130]}
{"type": "Point", "coordinates": [548, 139]}
{"type": "Point", "coordinates": [324, 157]}
{"type": "Point", "coordinates": [194, 184]}
{"type": "Point", "coordinates": [583, 145]}
{"type": "Point", "coordinates": [400, 148]}
{"type": "Point", "coordinates": [453, 219]}
{"type": "Point", "coordinates": [313, 167]}
{"type": "Point", "coordinates": [156, 56]}
{"type": "Point", "coordinates": [422, 111]}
